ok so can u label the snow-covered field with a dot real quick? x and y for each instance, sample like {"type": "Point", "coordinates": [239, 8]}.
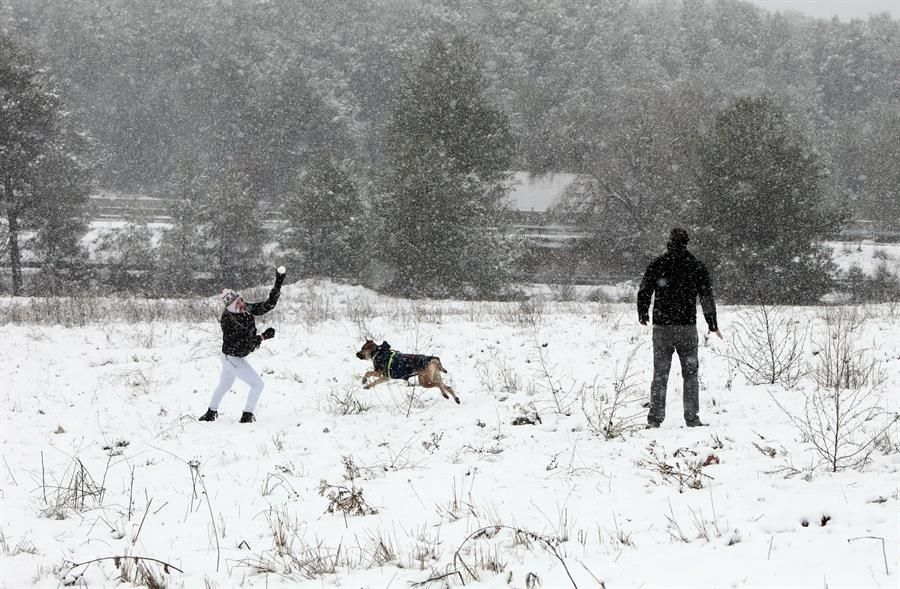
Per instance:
{"type": "Point", "coordinates": [103, 457]}
{"type": "Point", "coordinates": [866, 254]}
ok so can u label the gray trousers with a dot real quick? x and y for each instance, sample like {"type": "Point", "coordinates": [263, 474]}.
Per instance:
{"type": "Point", "coordinates": [667, 339]}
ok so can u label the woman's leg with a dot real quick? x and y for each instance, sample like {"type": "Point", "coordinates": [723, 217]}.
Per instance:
{"type": "Point", "coordinates": [225, 382]}
{"type": "Point", "coordinates": [246, 373]}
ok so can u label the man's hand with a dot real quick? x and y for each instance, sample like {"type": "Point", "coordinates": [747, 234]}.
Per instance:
{"type": "Point", "coordinates": [281, 270]}
{"type": "Point", "coordinates": [644, 320]}
{"type": "Point", "coordinates": [269, 333]}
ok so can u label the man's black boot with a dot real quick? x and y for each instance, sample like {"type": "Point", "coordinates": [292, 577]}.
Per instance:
{"type": "Point", "coordinates": [247, 417]}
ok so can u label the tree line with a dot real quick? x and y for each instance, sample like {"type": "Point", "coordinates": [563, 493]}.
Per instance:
{"type": "Point", "coordinates": [384, 134]}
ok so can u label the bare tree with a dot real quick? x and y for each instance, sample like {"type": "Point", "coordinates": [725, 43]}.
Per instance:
{"type": "Point", "coordinates": [842, 418]}
{"type": "Point", "coordinates": [612, 414]}
{"type": "Point", "coordinates": [768, 347]}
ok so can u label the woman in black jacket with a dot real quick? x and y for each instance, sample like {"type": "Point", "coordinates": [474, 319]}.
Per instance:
{"type": "Point", "coordinates": [239, 338]}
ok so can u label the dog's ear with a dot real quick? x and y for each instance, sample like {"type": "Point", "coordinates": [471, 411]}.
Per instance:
{"type": "Point", "coordinates": [384, 344]}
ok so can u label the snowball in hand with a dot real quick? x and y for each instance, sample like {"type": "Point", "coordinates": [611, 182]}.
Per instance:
{"type": "Point", "coordinates": [281, 269]}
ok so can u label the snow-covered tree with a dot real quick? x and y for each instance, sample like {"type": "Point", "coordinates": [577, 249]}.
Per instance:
{"type": "Point", "coordinates": [182, 253]}
{"type": "Point", "coordinates": [325, 229]}
{"type": "Point", "coordinates": [440, 200]}
{"type": "Point", "coordinates": [760, 209]}
{"type": "Point", "coordinates": [234, 230]}
{"type": "Point", "coordinates": [44, 173]}
{"type": "Point", "coordinates": [217, 234]}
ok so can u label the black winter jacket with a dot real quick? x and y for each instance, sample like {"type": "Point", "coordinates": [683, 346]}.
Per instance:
{"type": "Point", "coordinates": [677, 278]}
{"type": "Point", "coordinates": [239, 336]}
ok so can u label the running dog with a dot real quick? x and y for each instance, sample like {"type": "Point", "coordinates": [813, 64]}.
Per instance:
{"type": "Point", "coordinates": [390, 364]}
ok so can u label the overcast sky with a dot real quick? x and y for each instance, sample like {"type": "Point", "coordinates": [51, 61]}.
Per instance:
{"type": "Point", "coordinates": [844, 9]}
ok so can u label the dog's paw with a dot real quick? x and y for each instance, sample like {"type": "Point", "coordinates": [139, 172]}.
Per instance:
{"type": "Point", "coordinates": [457, 400]}
{"type": "Point", "coordinates": [368, 386]}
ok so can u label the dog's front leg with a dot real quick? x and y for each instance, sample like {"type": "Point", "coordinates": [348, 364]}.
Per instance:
{"type": "Point", "coordinates": [381, 378]}
{"type": "Point", "coordinates": [369, 374]}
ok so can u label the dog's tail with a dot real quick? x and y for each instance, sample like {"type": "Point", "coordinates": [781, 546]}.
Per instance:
{"type": "Point", "coordinates": [441, 366]}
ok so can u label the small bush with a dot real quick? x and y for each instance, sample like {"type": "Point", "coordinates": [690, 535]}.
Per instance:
{"type": "Point", "coordinates": [768, 347]}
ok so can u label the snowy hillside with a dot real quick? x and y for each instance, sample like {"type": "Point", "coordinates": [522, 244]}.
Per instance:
{"type": "Point", "coordinates": [103, 457]}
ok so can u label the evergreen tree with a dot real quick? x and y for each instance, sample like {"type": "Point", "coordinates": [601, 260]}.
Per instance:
{"type": "Point", "coordinates": [760, 208]}
{"type": "Point", "coordinates": [440, 201]}
{"type": "Point", "coordinates": [634, 175]}
{"type": "Point", "coordinates": [233, 230]}
{"type": "Point", "coordinates": [183, 255]}
{"type": "Point", "coordinates": [44, 174]}
{"type": "Point", "coordinates": [325, 222]}
{"type": "Point", "coordinates": [217, 235]}
{"type": "Point", "coordinates": [284, 125]}
{"type": "Point", "coordinates": [867, 158]}
{"type": "Point", "coordinates": [129, 257]}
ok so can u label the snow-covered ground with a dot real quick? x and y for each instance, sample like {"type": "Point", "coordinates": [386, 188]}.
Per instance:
{"type": "Point", "coordinates": [866, 254]}
{"type": "Point", "coordinates": [102, 455]}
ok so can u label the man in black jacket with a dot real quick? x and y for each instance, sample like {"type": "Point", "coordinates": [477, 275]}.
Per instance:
{"type": "Point", "coordinates": [676, 279]}
{"type": "Point", "coordinates": [239, 338]}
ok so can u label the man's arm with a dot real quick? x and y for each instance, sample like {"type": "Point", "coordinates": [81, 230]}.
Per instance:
{"type": "Point", "coordinates": [707, 302]}
{"type": "Point", "coordinates": [645, 294]}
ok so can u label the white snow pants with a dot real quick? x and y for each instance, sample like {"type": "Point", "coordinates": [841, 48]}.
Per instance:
{"type": "Point", "coordinates": [234, 367]}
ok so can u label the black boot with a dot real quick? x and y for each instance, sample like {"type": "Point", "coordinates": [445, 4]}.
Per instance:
{"type": "Point", "coordinates": [210, 415]}
{"type": "Point", "coordinates": [247, 417]}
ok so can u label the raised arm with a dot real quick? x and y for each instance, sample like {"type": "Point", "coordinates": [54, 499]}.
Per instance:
{"type": "Point", "coordinates": [267, 305]}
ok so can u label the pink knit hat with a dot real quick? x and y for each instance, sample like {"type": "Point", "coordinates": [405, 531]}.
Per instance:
{"type": "Point", "coordinates": [230, 298]}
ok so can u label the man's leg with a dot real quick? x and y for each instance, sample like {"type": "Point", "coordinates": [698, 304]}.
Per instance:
{"type": "Point", "coordinates": [662, 363]}
{"type": "Point", "coordinates": [686, 346]}
{"type": "Point", "coordinates": [246, 373]}
{"type": "Point", "coordinates": [225, 382]}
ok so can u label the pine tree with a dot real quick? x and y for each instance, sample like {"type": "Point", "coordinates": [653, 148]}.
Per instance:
{"type": "Point", "coordinates": [325, 222]}
{"type": "Point", "coordinates": [217, 234]}
{"type": "Point", "coordinates": [760, 208]}
{"type": "Point", "coordinates": [44, 173]}
{"type": "Point", "coordinates": [183, 255]}
{"type": "Point", "coordinates": [129, 257]}
{"type": "Point", "coordinates": [233, 230]}
{"type": "Point", "coordinates": [440, 201]}
{"type": "Point", "coordinates": [283, 126]}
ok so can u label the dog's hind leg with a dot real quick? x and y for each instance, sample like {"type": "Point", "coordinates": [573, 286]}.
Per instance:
{"type": "Point", "coordinates": [436, 380]}
{"type": "Point", "coordinates": [431, 377]}
{"type": "Point", "coordinates": [449, 390]}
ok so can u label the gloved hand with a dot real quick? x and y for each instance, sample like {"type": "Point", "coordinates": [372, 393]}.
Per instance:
{"type": "Point", "coordinates": [281, 270]}
{"type": "Point", "coordinates": [269, 333]}
{"type": "Point", "coordinates": [279, 275]}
